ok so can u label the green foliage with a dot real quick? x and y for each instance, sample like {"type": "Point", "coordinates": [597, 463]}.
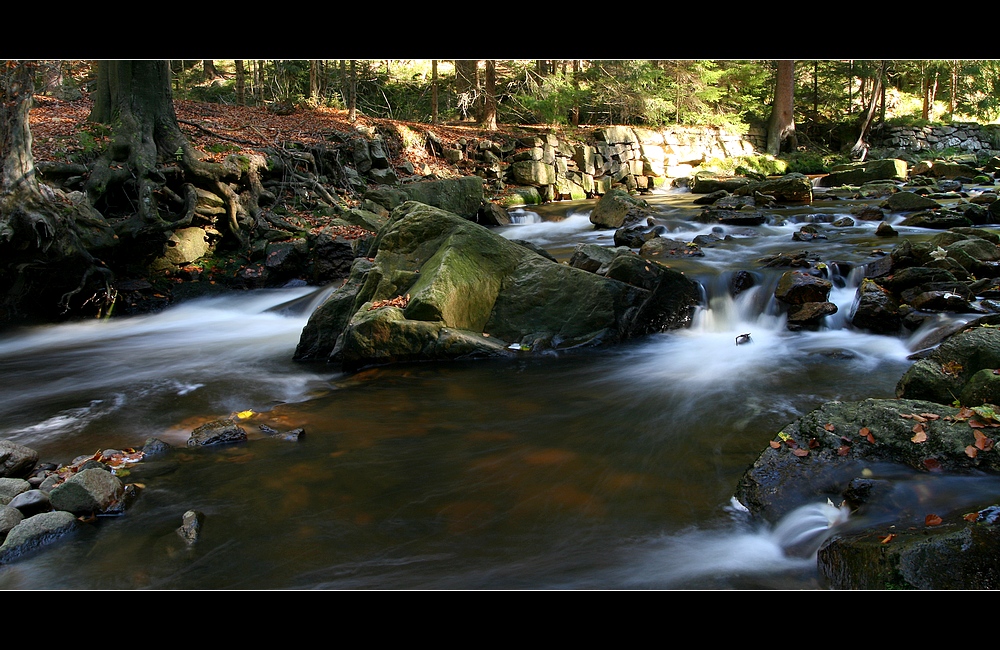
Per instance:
{"type": "Point", "coordinates": [807, 162]}
{"type": "Point", "coordinates": [753, 166]}
{"type": "Point", "coordinates": [222, 147]}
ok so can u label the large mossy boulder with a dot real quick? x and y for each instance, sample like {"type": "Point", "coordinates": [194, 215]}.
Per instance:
{"type": "Point", "coordinates": [864, 172]}
{"type": "Point", "coordinates": [962, 368]}
{"type": "Point", "coordinates": [441, 287]}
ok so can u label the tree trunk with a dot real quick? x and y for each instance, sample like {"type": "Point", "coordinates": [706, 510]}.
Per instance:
{"type": "Point", "coordinates": [134, 98]}
{"type": "Point", "coordinates": [314, 77]}
{"type": "Point", "coordinates": [352, 93]}
{"type": "Point", "coordinates": [860, 148]}
{"type": "Point", "coordinates": [241, 83]}
{"type": "Point", "coordinates": [208, 66]}
{"type": "Point", "coordinates": [489, 121]}
{"type": "Point", "coordinates": [46, 269]}
{"type": "Point", "coordinates": [467, 86]}
{"type": "Point", "coordinates": [781, 126]}
{"type": "Point", "coordinates": [434, 91]}
{"type": "Point", "coordinates": [15, 139]}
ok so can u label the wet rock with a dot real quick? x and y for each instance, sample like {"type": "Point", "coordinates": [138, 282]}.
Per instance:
{"type": "Point", "coordinates": [908, 202]}
{"type": "Point", "coordinates": [935, 221]}
{"type": "Point", "coordinates": [220, 432]}
{"type": "Point", "coordinates": [11, 487]}
{"type": "Point", "coordinates": [740, 282]}
{"type": "Point", "coordinates": [31, 502]}
{"type": "Point", "coordinates": [16, 461]}
{"type": "Point", "coordinates": [90, 491]}
{"type": "Point", "coordinates": [885, 230]}
{"type": "Point", "coordinates": [190, 528]}
{"type": "Point", "coordinates": [942, 376]}
{"type": "Point", "coordinates": [843, 222]}
{"type": "Point", "coordinates": [595, 258]}
{"type": "Point", "coordinates": [877, 309]}
{"type": "Point", "coordinates": [809, 315]}
{"type": "Point", "coordinates": [953, 555]}
{"type": "Point", "coordinates": [819, 455]}
{"type": "Point", "coordinates": [662, 247]}
{"type": "Point", "coordinates": [34, 532]}
{"type": "Point", "coordinates": [9, 517]}
{"type": "Point", "coordinates": [711, 197]}
{"type": "Point", "coordinates": [797, 288]}
{"type": "Point", "coordinates": [155, 447]}
{"type": "Point", "coordinates": [618, 208]}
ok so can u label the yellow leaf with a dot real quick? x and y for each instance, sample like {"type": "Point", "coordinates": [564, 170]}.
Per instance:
{"type": "Point", "coordinates": [243, 415]}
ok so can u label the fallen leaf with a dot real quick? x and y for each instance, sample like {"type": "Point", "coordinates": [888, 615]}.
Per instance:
{"type": "Point", "coordinates": [813, 443]}
{"type": "Point", "coordinates": [888, 538]}
{"type": "Point", "coordinates": [982, 442]}
{"type": "Point", "coordinates": [930, 416]}
{"type": "Point", "coordinates": [932, 464]}
{"type": "Point", "coordinates": [919, 433]}
{"type": "Point", "coordinates": [972, 517]}
{"type": "Point", "coordinates": [800, 452]}
{"type": "Point", "coordinates": [971, 451]}
{"type": "Point", "coordinates": [775, 444]}
{"type": "Point", "coordinates": [843, 450]}
{"type": "Point", "coordinates": [932, 520]}
{"type": "Point", "coordinates": [829, 427]}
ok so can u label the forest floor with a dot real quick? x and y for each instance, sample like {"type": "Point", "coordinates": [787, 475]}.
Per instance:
{"type": "Point", "coordinates": [60, 130]}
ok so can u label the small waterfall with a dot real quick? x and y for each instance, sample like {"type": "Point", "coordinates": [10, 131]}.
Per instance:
{"type": "Point", "coordinates": [801, 532]}
{"type": "Point", "coordinates": [520, 216]}
{"type": "Point", "coordinates": [696, 557]}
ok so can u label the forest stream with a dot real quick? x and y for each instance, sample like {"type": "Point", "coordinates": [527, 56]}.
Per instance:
{"type": "Point", "coordinates": [599, 468]}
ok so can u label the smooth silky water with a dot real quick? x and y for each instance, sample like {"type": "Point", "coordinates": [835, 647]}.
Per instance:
{"type": "Point", "coordinates": [606, 468]}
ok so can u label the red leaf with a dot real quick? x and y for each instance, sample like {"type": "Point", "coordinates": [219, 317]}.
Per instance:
{"type": "Point", "coordinates": [829, 427]}
{"type": "Point", "coordinates": [971, 451]}
{"type": "Point", "coordinates": [932, 520]}
{"type": "Point", "coordinates": [888, 538]}
{"type": "Point", "coordinates": [800, 452]}
{"type": "Point", "coordinates": [843, 450]}
{"type": "Point", "coordinates": [813, 443]}
{"type": "Point", "coordinates": [932, 464]}
{"type": "Point", "coordinates": [775, 444]}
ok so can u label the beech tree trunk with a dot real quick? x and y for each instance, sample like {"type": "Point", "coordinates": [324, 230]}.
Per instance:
{"type": "Point", "coordinates": [861, 147]}
{"type": "Point", "coordinates": [781, 126]}
{"type": "Point", "coordinates": [135, 99]}
{"type": "Point", "coordinates": [489, 121]}
{"type": "Point", "coordinates": [46, 240]}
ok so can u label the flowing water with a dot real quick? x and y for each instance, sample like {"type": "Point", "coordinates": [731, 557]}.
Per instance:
{"type": "Point", "coordinates": [604, 468]}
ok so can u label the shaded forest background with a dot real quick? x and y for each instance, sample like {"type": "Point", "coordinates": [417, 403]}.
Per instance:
{"type": "Point", "coordinates": [832, 98]}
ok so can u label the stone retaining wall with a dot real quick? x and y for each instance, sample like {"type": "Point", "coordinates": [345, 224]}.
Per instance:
{"type": "Point", "coordinates": [969, 137]}
{"type": "Point", "coordinates": [548, 167]}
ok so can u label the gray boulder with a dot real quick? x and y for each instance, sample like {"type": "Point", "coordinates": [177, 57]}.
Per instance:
{"type": "Point", "coordinates": [16, 460]}
{"type": "Point", "coordinates": [89, 491]}
{"type": "Point", "coordinates": [34, 532]}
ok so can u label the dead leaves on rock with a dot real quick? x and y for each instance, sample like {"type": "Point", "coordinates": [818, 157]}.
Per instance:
{"type": "Point", "coordinates": [398, 301]}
